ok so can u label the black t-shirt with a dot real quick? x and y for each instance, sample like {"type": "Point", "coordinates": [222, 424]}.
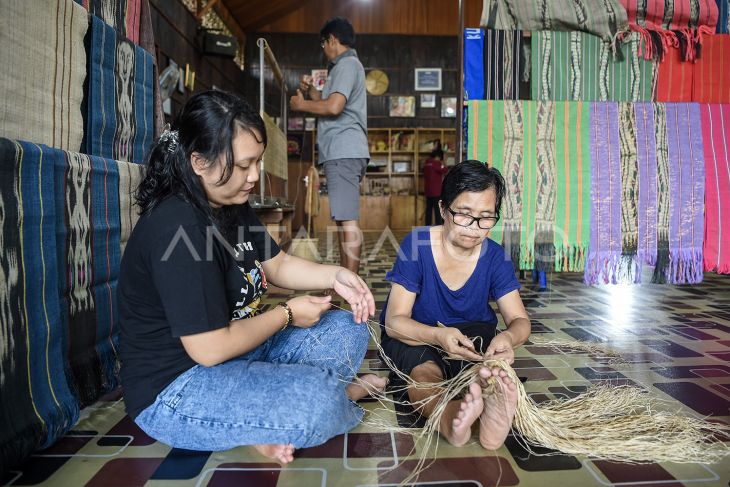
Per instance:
{"type": "Point", "coordinates": [179, 276]}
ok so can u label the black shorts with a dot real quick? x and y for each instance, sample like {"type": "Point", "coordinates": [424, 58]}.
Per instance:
{"type": "Point", "coordinates": [407, 357]}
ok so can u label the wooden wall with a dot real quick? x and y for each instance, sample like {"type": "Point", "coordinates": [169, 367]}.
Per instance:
{"type": "Point", "coordinates": [396, 55]}
{"type": "Point", "coordinates": [175, 30]}
{"type": "Point", "coordinates": [432, 17]}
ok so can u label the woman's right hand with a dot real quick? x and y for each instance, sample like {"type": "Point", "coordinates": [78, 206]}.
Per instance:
{"type": "Point", "coordinates": [456, 344]}
{"type": "Point", "coordinates": [306, 310]}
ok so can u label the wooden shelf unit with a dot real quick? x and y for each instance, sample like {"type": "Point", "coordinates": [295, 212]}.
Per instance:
{"type": "Point", "coordinates": [391, 192]}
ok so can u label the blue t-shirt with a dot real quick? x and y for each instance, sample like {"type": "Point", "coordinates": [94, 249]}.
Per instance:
{"type": "Point", "coordinates": [415, 270]}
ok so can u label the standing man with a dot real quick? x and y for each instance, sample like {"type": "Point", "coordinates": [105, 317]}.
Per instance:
{"type": "Point", "coordinates": [341, 132]}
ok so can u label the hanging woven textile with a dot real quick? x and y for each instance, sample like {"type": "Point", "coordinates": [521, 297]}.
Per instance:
{"type": "Point", "coordinates": [496, 137]}
{"type": "Point", "coordinates": [130, 177]}
{"type": "Point", "coordinates": [603, 18]}
{"type": "Point", "coordinates": [675, 78]}
{"type": "Point", "coordinates": [646, 157]}
{"type": "Point", "coordinates": [677, 23]}
{"type": "Point", "coordinates": [89, 250]}
{"type": "Point", "coordinates": [723, 18]}
{"type": "Point", "coordinates": [503, 64]}
{"type": "Point", "coordinates": [545, 187]}
{"type": "Point", "coordinates": [43, 63]}
{"type": "Point", "coordinates": [120, 120]}
{"type": "Point", "coordinates": [122, 15]}
{"type": "Point", "coordinates": [486, 144]}
{"type": "Point", "coordinates": [36, 405]}
{"type": "Point", "coordinates": [581, 66]}
{"type": "Point", "coordinates": [604, 253]}
{"type": "Point", "coordinates": [473, 64]}
{"type": "Point", "coordinates": [715, 142]}
{"type": "Point", "coordinates": [572, 195]}
{"type": "Point", "coordinates": [711, 81]}
{"type": "Point", "coordinates": [629, 266]}
{"type": "Point", "coordinates": [686, 173]}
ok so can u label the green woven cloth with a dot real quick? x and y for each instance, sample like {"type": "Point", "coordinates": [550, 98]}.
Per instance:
{"type": "Point", "coordinates": [543, 152]}
{"type": "Point", "coordinates": [573, 186]}
{"type": "Point", "coordinates": [495, 137]}
{"type": "Point", "coordinates": [581, 66]}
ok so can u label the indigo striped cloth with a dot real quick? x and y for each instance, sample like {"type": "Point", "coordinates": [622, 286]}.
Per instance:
{"type": "Point", "coordinates": [62, 216]}
{"type": "Point", "coordinates": [119, 117]}
{"type": "Point", "coordinates": [37, 404]}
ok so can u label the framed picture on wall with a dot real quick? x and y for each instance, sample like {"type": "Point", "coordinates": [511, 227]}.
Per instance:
{"type": "Point", "coordinates": [428, 100]}
{"type": "Point", "coordinates": [448, 106]}
{"type": "Point", "coordinates": [428, 79]}
{"type": "Point", "coordinates": [402, 106]}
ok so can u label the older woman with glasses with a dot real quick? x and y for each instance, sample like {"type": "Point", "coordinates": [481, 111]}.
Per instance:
{"type": "Point", "coordinates": [437, 316]}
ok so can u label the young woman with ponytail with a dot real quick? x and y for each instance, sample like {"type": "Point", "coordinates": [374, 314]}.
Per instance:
{"type": "Point", "coordinates": [203, 366]}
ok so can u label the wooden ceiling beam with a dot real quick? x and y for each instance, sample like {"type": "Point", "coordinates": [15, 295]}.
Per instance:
{"type": "Point", "coordinates": [273, 11]}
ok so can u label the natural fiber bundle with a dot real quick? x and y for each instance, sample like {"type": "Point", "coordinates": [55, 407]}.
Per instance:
{"type": "Point", "coordinates": [607, 422]}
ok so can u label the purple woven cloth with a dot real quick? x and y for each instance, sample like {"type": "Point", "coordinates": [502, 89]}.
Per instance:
{"type": "Point", "coordinates": [687, 187]}
{"type": "Point", "coordinates": [646, 156]}
{"type": "Point", "coordinates": [604, 254]}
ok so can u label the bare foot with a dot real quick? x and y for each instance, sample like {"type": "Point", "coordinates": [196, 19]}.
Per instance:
{"type": "Point", "coordinates": [281, 453]}
{"type": "Point", "coordinates": [365, 386]}
{"type": "Point", "coordinates": [499, 409]}
{"type": "Point", "coordinates": [469, 410]}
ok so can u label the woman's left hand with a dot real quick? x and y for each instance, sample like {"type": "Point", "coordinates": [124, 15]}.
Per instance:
{"type": "Point", "coordinates": [354, 290]}
{"type": "Point", "coordinates": [501, 347]}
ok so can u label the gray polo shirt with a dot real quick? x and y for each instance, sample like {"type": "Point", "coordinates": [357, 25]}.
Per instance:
{"type": "Point", "coordinates": [345, 136]}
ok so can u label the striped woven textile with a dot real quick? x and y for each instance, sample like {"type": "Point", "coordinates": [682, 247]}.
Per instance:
{"type": "Point", "coordinates": [646, 156]}
{"type": "Point", "coordinates": [572, 195]}
{"type": "Point", "coordinates": [63, 216]}
{"type": "Point", "coordinates": [687, 190]}
{"type": "Point", "coordinates": [130, 177]}
{"type": "Point", "coordinates": [36, 403]}
{"type": "Point", "coordinates": [604, 254]}
{"type": "Point", "coordinates": [486, 126]}
{"type": "Point", "coordinates": [147, 42]}
{"type": "Point", "coordinates": [711, 82]}
{"type": "Point", "coordinates": [630, 268]}
{"type": "Point", "coordinates": [503, 64]}
{"type": "Point", "coordinates": [496, 137]}
{"type": "Point", "coordinates": [529, 176]}
{"type": "Point", "coordinates": [41, 83]}
{"type": "Point", "coordinates": [723, 18]}
{"type": "Point", "coordinates": [581, 66]}
{"type": "Point", "coordinates": [666, 23]}
{"type": "Point", "coordinates": [122, 15]}
{"type": "Point", "coordinates": [119, 118]}
{"type": "Point", "coordinates": [545, 187]}
{"type": "Point", "coordinates": [603, 18]}
{"type": "Point", "coordinates": [715, 143]}
{"type": "Point", "coordinates": [663, 192]}
{"type": "Point", "coordinates": [542, 150]}
{"type": "Point", "coordinates": [675, 78]}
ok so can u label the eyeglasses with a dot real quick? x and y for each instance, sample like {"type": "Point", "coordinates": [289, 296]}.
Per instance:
{"type": "Point", "coordinates": [465, 220]}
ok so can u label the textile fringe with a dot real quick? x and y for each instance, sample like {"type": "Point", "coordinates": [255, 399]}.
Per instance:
{"type": "Point", "coordinates": [655, 43]}
{"type": "Point", "coordinates": [602, 268]}
{"type": "Point", "coordinates": [662, 266]}
{"type": "Point", "coordinates": [570, 258]}
{"type": "Point", "coordinates": [685, 267]}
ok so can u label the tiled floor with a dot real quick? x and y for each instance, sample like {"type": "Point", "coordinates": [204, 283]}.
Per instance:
{"type": "Point", "coordinates": [676, 340]}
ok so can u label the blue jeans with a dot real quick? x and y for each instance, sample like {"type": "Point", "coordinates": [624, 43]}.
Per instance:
{"type": "Point", "coordinates": [290, 389]}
